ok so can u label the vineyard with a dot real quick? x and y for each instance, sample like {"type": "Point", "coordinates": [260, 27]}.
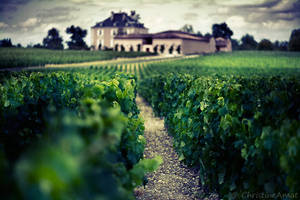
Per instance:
{"type": "Point", "coordinates": [70, 133]}
{"type": "Point", "coordinates": [19, 57]}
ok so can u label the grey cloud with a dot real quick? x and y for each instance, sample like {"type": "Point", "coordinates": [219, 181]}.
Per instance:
{"type": "Point", "coordinates": [268, 11]}
{"type": "Point", "coordinates": [266, 4]}
{"type": "Point", "coordinates": [8, 8]}
{"type": "Point", "coordinates": [190, 16]}
{"type": "Point", "coordinates": [56, 14]}
{"type": "Point", "coordinates": [293, 10]}
{"type": "Point", "coordinates": [11, 5]}
{"type": "Point", "coordinates": [13, 2]}
{"type": "Point", "coordinates": [202, 3]}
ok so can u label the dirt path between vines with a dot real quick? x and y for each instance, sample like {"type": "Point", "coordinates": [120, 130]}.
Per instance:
{"type": "Point", "coordinates": [172, 180]}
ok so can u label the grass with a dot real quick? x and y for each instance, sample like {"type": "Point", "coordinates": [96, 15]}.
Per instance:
{"type": "Point", "coordinates": [21, 57]}
{"type": "Point", "coordinates": [239, 62]}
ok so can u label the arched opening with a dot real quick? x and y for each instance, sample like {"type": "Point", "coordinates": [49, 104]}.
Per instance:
{"type": "Point", "coordinates": [171, 49]}
{"type": "Point", "coordinates": [148, 50]}
{"type": "Point", "coordinates": [131, 49]}
{"type": "Point", "coordinates": [99, 47]}
{"type": "Point", "coordinates": [116, 47]}
{"type": "Point", "coordinates": [178, 49]}
{"type": "Point", "coordinates": [162, 48]}
{"type": "Point", "coordinates": [138, 47]}
{"type": "Point", "coordinates": [122, 48]}
{"type": "Point", "coordinates": [155, 49]}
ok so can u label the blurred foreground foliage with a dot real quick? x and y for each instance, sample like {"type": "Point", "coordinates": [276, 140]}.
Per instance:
{"type": "Point", "coordinates": [70, 135]}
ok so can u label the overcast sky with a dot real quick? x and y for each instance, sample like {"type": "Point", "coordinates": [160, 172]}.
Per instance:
{"type": "Point", "coordinates": [27, 21]}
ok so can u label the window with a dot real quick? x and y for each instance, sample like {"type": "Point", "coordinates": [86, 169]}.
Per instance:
{"type": "Point", "coordinates": [113, 32]}
{"type": "Point", "coordinates": [99, 32]}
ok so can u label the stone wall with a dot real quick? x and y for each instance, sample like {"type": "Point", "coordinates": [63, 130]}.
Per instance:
{"type": "Point", "coordinates": [106, 38]}
{"type": "Point", "coordinates": [197, 47]}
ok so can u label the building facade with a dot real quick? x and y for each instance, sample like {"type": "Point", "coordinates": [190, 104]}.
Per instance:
{"type": "Point", "coordinates": [223, 44]}
{"type": "Point", "coordinates": [123, 32]}
{"type": "Point", "coordinates": [104, 32]}
{"type": "Point", "coordinates": [167, 42]}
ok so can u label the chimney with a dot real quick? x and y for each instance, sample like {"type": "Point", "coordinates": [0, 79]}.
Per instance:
{"type": "Point", "coordinates": [112, 16]}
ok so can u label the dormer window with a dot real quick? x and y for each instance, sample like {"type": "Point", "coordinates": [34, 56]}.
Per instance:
{"type": "Point", "coordinates": [100, 32]}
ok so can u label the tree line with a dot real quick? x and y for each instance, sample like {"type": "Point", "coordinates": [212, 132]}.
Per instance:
{"type": "Point", "coordinates": [55, 42]}
{"type": "Point", "coordinates": [247, 42]}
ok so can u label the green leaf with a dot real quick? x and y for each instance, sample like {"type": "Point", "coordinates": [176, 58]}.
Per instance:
{"type": "Point", "coordinates": [221, 177]}
{"type": "Point", "coordinates": [6, 103]}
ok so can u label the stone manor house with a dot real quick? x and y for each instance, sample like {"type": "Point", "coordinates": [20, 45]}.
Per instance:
{"type": "Point", "coordinates": [123, 32]}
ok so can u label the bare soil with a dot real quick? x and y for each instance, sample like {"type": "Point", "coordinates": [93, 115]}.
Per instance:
{"type": "Point", "coordinates": [173, 180]}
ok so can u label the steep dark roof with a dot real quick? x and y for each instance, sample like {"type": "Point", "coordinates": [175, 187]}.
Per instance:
{"type": "Point", "coordinates": [180, 35]}
{"type": "Point", "coordinates": [134, 36]}
{"type": "Point", "coordinates": [165, 35]}
{"type": "Point", "coordinates": [121, 19]}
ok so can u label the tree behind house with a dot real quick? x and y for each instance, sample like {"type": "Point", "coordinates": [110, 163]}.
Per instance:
{"type": "Point", "coordinates": [281, 46]}
{"type": "Point", "coordinates": [38, 46]}
{"type": "Point", "coordinates": [187, 28]}
{"type": "Point", "coordinates": [207, 35]}
{"type": "Point", "coordinates": [294, 43]}
{"type": "Point", "coordinates": [53, 40]}
{"type": "Point", "coordinates": [199, 34]}
{"type": "Point", "coordinates": [235, 44]}
{"type": "Point", "coordinates": [6, 43]}
{"type": "Point", "coordinates": [221, 30]}
{"type": "Point", "coordinates": [77, 42]}
{"type": "Point", "coordinates": [265, 45]}
{"type": "Point", "coordinates": [248, 43]}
